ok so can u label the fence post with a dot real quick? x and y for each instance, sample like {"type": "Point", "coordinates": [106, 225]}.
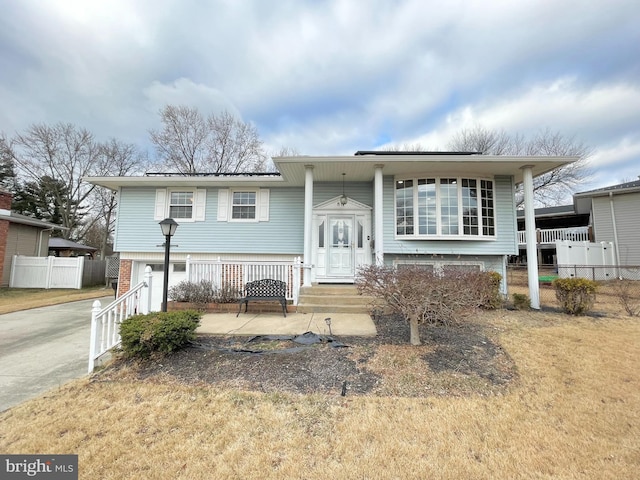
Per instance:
{"type": "Point", "coordinates": [296, 280]}
{"type": "Point", "coordinates": [12, 278]}
{"type": "Point", "coordinates": [145, 294]}
{"type": "Point", "coordinates": [79, 271]}
{"type": "Point", "coordinates": [97, 306]}
{"type": "Point", "coordinates": [47, 284]}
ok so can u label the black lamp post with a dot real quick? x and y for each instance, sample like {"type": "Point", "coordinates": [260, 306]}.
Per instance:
{"type": "Point", "coordinates": [168, 226]}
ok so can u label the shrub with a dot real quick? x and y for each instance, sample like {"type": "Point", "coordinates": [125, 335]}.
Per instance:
{"type": "Point", "coordinates": [521, 301]}
{"type": "Point", "coordinates": [158, 332]}
{"type": "Point", "coordinates": [489, 286]}
{"type": "Point", "coordinates": [576, 295]}
{"type": "Point", "coordinates": [203, 292]}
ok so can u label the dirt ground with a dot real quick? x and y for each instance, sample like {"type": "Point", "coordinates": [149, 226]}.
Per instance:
{"type": "Point", "coordinates": [460, 360]}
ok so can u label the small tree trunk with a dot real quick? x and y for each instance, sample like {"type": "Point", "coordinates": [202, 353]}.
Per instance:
{"type": "Point", "coordinates": [414, 331]}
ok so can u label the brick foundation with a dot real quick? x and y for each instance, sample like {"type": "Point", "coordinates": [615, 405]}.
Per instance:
{"type": "Point", "coordinates": [4, 233]}
{"type": "Point", "coordinates": [124, 276]}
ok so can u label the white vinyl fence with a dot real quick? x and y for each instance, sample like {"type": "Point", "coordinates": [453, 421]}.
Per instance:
{"type": "Point", "coordinates": [46, 272]}
{"type": "Point", "coordinates": [235, 274]}
{"type": "Point", "coordinates": [574, 258]}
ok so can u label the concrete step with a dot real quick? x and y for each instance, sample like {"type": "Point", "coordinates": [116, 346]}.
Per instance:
{"type": "Point", "coordinates": [311, 308]}
{"type": "Point", "coordinates": [328, 289]}
{"type": "Point", "coordinates": [332, 298]}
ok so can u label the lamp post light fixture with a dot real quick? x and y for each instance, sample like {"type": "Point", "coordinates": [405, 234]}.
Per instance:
{"type": "Point", "coordinates": [328, 322]}
{"type": "Point", "coordinates": [168, 226]}
{"type": "Point", "coordinates": [343, 197]}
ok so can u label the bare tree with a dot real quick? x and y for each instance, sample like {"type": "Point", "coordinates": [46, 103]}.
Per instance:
{"type": "Point", "coordinates": [65, 154]}
{"type": "Point", "coordinates": [487, 142]}
{"type": "Point", "coordinates": [190, 143]}
{"type": "Point", "coordinates": [234, 146]}
{"type": "Point", "coordinates": [119, 159]}
{"type": "Point", "coordinates": [549, 189]}
{"type": "Point", "coordinates": [182, 142]}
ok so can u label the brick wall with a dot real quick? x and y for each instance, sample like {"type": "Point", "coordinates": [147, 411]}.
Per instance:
{"type": "Point", "coordinates": [5, 200]}
{"type": "Point", "coordinates": [124, 277]}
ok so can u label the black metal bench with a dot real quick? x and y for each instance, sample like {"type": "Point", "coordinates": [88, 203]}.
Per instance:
{"type": "Point", "coordinates": [264, 290]}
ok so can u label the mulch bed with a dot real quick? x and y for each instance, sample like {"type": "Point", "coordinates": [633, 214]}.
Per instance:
{"type": "Point", "coordinates": [459, 360]}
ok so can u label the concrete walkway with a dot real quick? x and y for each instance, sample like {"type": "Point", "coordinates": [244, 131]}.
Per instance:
{"type": "Point", "coordinates": [356, 324]}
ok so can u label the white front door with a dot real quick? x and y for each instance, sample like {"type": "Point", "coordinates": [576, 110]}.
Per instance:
{"type": "Point", "coordinates": [340, 252]}
{"type": "Point", "coordinates": [341, 240]}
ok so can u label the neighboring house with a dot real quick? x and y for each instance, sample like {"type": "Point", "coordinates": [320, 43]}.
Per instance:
{"type": "Point", "coordinates": [552, 223]}
{"type": "Point", "coordinates": [59, 247]}
{"type": "Point", "coordinates": [337, 213]}
{"type": "Point", "coordinates": [614, 216]}
{"type": "Point", "coordinates": [20, 235]}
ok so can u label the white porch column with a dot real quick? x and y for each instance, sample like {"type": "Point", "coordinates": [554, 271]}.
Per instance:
{"type": "Point", "coordinates": [377, 215]}
{"type": "Point", "coordinates": [530, 237]}
{"type": "Point", "coordinates": [308, 223]}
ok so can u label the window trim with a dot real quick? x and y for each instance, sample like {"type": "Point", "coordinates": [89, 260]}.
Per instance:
{"type": "Point", "coordinates": [256, 205]}
{"type": "Point", "coordinates": [170, 191]}
{"type": "Point", "coordinates": [438, 209]}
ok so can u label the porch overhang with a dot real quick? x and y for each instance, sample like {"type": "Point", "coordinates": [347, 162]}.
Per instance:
{"type": "Point", "coordinates": [362, 167]}
{"type": "Point", "coordinates": [357, 168]}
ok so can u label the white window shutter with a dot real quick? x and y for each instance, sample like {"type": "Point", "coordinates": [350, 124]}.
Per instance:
{"type": "Point", "coordinates": [223, 204]}
{"type": "Point", "coordinates": [263, 205]}
{"type": "Point", "coordinates": [160, 211]}
{"type": "Point", "coordinates": [200, 204]}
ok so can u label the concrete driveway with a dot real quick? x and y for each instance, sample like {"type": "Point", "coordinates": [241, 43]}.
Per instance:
{"type": "Point", "coordinates": [43, 348]}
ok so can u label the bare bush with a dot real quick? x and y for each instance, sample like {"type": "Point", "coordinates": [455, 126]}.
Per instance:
{"type": "Point", "coordinates": [203, 292]}
{"type": "Point", "coordinates": [421, 295]}
{"type": "Point", "coordinates": [624, 291]}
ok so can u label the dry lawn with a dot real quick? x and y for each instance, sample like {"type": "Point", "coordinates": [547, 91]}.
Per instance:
{"type": "Point", "coordinates": [574, 412]}
{"type": "Point", "coordinates": [16, 299]}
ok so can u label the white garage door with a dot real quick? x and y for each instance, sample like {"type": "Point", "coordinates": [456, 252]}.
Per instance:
{"type": "Point", "coordinates": [177, 273]}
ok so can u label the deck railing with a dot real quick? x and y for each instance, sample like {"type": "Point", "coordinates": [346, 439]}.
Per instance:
{"type": "Point", "coordinates": [235, 274]}
{"type": "Point", "coordinates": [549, 236]}
{"type": "Point", "coordinates": [105, 322]}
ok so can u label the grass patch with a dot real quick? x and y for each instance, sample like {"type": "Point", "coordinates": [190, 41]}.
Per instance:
{"type": "Point", "coordinates": [16, 299]}
{"type": "Point", "coordinates": [572, 414]}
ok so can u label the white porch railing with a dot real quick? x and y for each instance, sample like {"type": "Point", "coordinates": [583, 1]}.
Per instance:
{"type": "Point", "coordinates": [235, 274]}
{"type": "Point", "coordinates": [549, 236]}
{"type": "Point", "coordinates": [105, 322]}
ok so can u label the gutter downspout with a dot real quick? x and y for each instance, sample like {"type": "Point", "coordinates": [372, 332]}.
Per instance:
{"type": "Point", "coordinates": [615, 229]}
{"type": "Point", "coordinates": [40, 241]}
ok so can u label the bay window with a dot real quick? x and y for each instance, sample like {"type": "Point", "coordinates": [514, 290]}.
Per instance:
{"type": "Point", "coordinates": [444, 207]}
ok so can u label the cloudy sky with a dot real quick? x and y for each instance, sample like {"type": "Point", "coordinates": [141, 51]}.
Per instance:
{"type": "Point", "coordinates": [335, 76]}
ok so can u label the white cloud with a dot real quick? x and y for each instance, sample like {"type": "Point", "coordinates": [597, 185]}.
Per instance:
{"type": "Point", "coordinates": [329, 77]}
{"type": "Point", "coordinates": [183, 91]}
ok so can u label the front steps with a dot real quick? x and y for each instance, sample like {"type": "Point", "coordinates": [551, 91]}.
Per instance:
{"type": "Point", "coordinates": [332, 298]}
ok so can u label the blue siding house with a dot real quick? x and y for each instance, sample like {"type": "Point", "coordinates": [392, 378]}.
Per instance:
{"type": "Point", "coordinates": [333, 213]}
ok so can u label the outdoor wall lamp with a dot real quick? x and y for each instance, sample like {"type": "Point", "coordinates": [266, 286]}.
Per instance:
{"type": "Point", "coordinates": [168, 227]}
